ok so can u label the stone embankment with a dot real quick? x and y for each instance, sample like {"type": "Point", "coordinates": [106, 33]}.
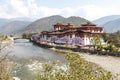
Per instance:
{"type": "Point", "coordinates": [74, 48]}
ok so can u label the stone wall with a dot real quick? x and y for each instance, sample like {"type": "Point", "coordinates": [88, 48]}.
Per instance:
{"type": "Point", "coordinates": [117, 54]}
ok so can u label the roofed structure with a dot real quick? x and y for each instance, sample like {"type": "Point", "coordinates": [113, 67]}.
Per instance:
{"type": "Point", "coordinates": [85, 31]}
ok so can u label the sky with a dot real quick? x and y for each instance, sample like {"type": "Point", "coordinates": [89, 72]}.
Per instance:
{"type": "Point", "coordinates": [89, 9]}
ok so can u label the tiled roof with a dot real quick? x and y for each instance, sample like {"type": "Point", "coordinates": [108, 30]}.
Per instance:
{"type": "Point", "coordinates": [86, 28]}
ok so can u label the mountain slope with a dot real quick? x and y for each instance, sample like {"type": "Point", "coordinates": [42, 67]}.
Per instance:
{"type": "Point", "coordinates": [48, 22]}
{"type": "Point", "coordinates": [43, 24]}
{"type": "Point", "coordinates": [104, 20]}
{"type": "Point", "coordinates": [19, 27]}
{"type": "Point", "coordinates": [112, 26]}
{"type": "Point", "coordinates": [13, 27]}
{"type": "Point", "coordinates": [77, 21]}
{"type": "Point", "coordinates": [6, 21]}
{"type": "Point", "coordinates": [3, 21]}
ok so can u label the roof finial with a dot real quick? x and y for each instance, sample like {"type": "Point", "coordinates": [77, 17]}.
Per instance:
{"type": "Point", "coordinates": [59, 23]}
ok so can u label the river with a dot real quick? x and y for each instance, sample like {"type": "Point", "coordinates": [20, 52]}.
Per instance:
{"type": "Point", "coordinates": [21, 51]}
{"type": "Point", "coordinates": [22, 48]}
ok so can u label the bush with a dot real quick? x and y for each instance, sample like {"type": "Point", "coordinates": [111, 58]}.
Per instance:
{"type": "Point", "coordinates": [26, 35]}
{"type": "Point", "coordinates": [100, 47]}
{"type": "Point", "coordinates": [78, 69]}
{"type": "Point", "coordinates": [111, 48]}
{"type": "Point", "coordinates": [5, 64]}
{"type": "Point", "coordinates": [5, 70]}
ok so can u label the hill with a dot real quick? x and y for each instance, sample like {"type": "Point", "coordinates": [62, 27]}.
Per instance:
{"type": "Point", "coordinates": [19, 27]}
{"type": "Point", "coordinates": [4, 21]}
{"type": "Point", "coordinates": [47, 23]}
{"type": "Point", "coordinates": [104, 20]}
{"type": "Point", "coordinates": [112, 26]}
{"type": "Point", "coordinates": [43, 24]}
{"type": "Point", "coordinates": [110, 23]}
{"type": "Point", "coordinates": [13, 27]}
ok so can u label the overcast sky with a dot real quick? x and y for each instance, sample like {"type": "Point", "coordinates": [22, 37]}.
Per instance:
{"type": "Point", "coordinates": [89, 9]}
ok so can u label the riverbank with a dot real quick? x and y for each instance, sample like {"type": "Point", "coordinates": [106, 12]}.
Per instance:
{"type": "Point", "coordinates": [75, 48]}
{"type": "Point", "coordinates": [108, 63]}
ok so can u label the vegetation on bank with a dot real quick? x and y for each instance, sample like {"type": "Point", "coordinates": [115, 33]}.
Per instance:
{"type": "Point", "coordinates": [77, 69]}
{"type": "Point", "coordinates": [4, 38]}
{"type": "Point", "coordinates": [6, 69]}
{"type": "Point", "coordinates": [5, 64]}
{"type": "Point", "coordinates": [112, 38]}
{"type": "Point", "coordinates": [27, 35]}
{"type": "Point", "coordinates": [110, 45]}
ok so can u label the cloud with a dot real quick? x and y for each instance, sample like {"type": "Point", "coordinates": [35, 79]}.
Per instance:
{"type": "Point", "coordinates": [29, 8]}
{"type": "Point", "coordinates": [94, 12]}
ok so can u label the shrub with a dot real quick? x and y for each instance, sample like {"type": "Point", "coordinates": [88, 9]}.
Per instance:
{"type": "Point", "coordinates": [5, 70]}
{"type": "Point", "coordinates": [78, 69]}
{"type": "Point", "coordinates": [111, 48]}
{"type": "Point", "coordinates": [100, 47]}
{"type": "Point", "coordinates": [5, 64]}
{"type": "Point", "coordinates": [26, 35]}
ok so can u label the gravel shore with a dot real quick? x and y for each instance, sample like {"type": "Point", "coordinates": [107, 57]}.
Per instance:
{"type": "Point", "coordinates": [109, 63]}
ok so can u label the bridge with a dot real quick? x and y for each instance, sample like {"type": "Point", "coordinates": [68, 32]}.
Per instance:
{"type": "Point", "coordinates": [15, 37]}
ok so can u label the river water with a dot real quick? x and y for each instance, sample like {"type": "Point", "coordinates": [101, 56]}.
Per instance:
{"type": "Point", "coordinates": [21, 51]}
{"type": "Point", "coordinates": [22, 48]}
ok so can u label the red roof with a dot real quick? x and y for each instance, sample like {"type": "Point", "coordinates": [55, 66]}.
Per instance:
{"type": "Point", "coordinates": [85, 28]}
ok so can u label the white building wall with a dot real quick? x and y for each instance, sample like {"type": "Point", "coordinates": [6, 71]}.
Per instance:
{"type": "Point", "coordinates": [86, 40]}
{"type": "Point", "coordinates": [41, 37]}
{"type": "Point", "coordinates": [45, 37]}
{"type": "Point", "coordinates": [59, 28]}
{"type": "Point", "coordinates": [73, 35]}
{"type": "Point", "coordinates": [69, 36]}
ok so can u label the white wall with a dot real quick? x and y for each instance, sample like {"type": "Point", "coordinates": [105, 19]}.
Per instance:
{"type": "Point", "coordinates": [73, 35]}
{"type": "Point", "coordinates": [86, 40]}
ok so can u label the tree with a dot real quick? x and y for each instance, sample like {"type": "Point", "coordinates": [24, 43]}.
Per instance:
{"type": "Point", "coordinates": [35, 36]}
{"type": "Point", "coordinates": [54, 39]}
{"type": "Point", "coordinates": [114, 38]}
{"type": "Point", "coordinates": [105, 37]}
{"type": "Point", "coordinates": [96, 40]}
{"type": "Point", "coordinates": [77, 40]}
{"type": "Point", "coordinates": [26, 35]}
{"type": "Point", "coordinates": [65, 39]}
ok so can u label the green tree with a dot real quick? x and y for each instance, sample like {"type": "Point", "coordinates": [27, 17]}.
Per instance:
{"type": "Point", "coordinates": [26, 35]}
{"type": "Point", "coordinates": [112, 38]}
{"type": "Point", "coordinates": [96, 40]}
{"type": "Point", "coordinates": [105, 36]}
